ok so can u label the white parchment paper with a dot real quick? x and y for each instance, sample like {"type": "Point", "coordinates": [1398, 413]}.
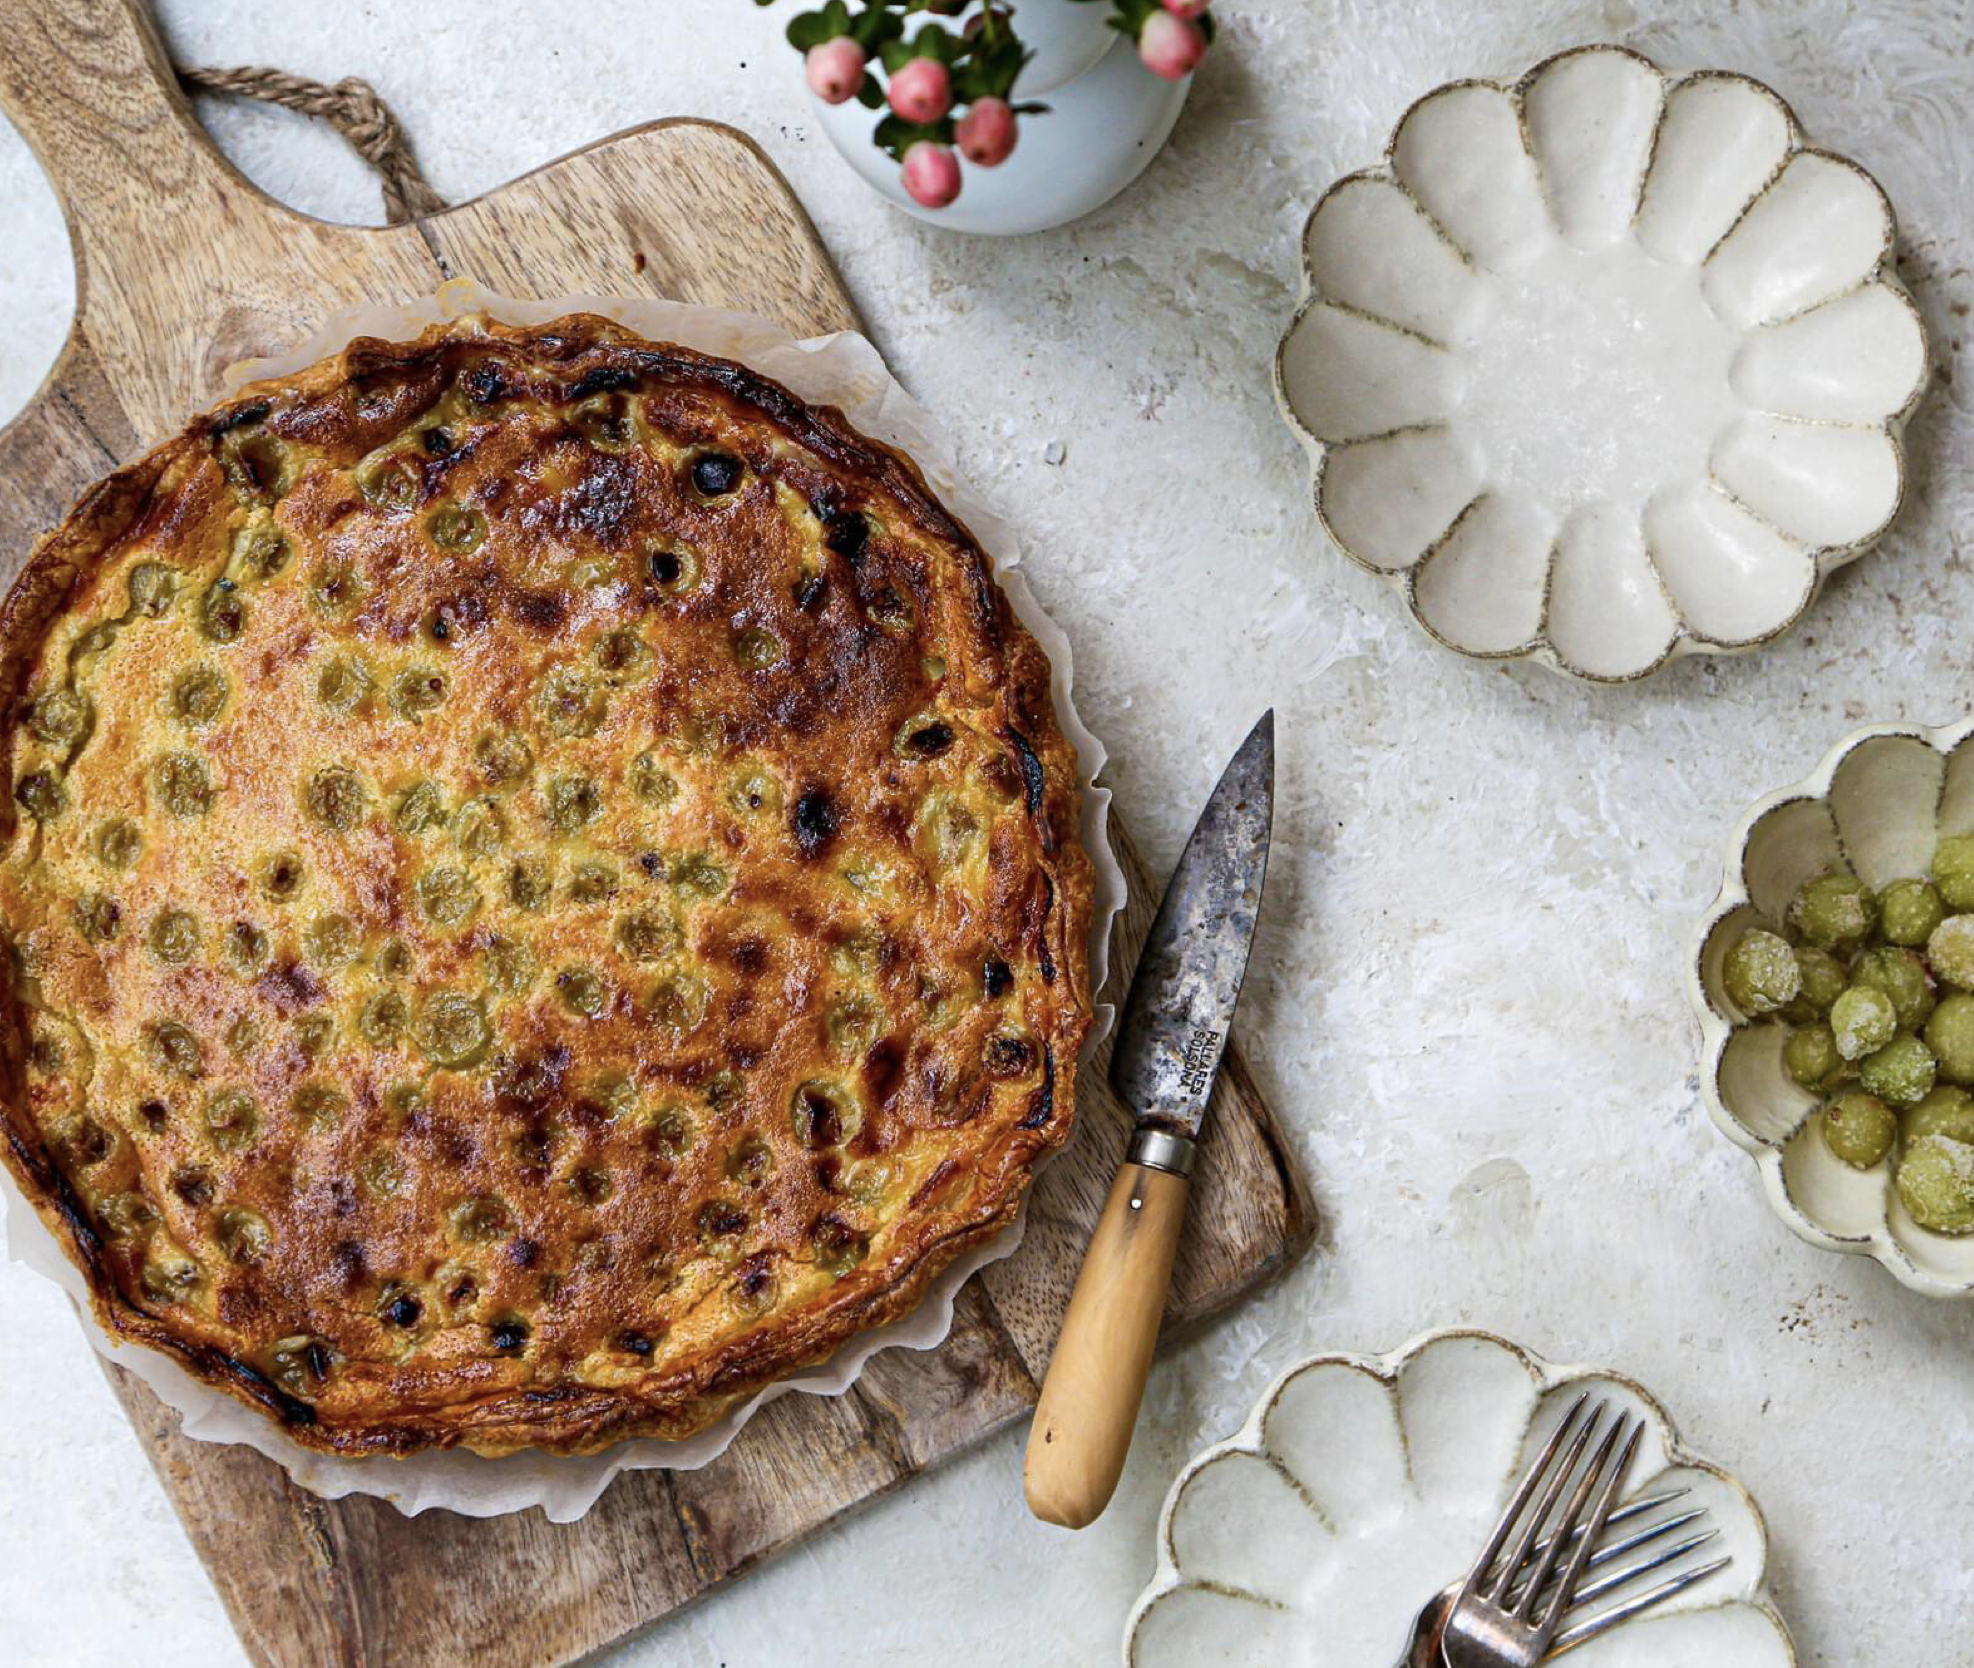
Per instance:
{"type": "Point", "coordinates": [844, 370]}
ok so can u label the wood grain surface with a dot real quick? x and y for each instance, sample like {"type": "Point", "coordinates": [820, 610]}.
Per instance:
{"type": "Point", "coordinates": [183, 267]}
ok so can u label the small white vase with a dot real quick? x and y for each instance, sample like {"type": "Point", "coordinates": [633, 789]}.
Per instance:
{"type": "Point", "coordinates": [1108, 117]}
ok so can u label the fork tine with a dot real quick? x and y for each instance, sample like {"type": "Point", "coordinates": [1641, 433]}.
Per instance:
{"type": "Point", "coordinates": [1631, 1543]}
{"type": "Point", "coordinates": [1565, 1533]}
{"type": "Point", "coordinates": [1612, 1477]}
{"type": "Point", "coordinates": [1526, 1487]}
{"type": "Point", "coordinates": [1651, 1503]}
{"type": "Point", "coordinates": [1573, 1637]}
{"type": "Point", "coordinates": [1590, 1591]}
{"type": "Point", "coordinates": [1559, 1479]}
{"type": "Point", "coordinates": [1651, 1532]}
{"type": "Point", "coordinates": [1624, 1514]}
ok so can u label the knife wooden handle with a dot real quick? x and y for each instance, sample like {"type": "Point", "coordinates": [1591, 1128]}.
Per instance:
{"type": "Point", "coordinates": [1089, 1403]}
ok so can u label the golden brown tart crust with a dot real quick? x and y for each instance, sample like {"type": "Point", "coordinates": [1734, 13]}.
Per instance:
{"type": "Point", "coordinates": [544, 891]}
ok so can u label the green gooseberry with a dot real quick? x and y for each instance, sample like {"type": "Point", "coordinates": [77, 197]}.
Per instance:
{"type": "Point", "coordinates": [333, 940]}
{"type": "Point", "coordinates": [174, 935]}
{"type": "Point", "coordinates": [582, 992]}
{"type": "Point", "coordinates": [650, 781]}
{"type": "Point", "coordinates": [1948, 1112]}
{"type": "Point", "coordinates": [1859, 1129]}
{"type": "Point", "coordinates": [1811, 1056]}
{"type": "Point", "coordinates": [1824, 979]}
{"type": "Point", "coordinates": [1901, 1072]}
{"type": "Point", "coordinates": [1950, 950]}
{"type": "Point", "coordinates": [452, 1029]}
{"type": "Point", "coordinates": [1936, 1184]}
{"type": "Point", "coordinates": [152, 587]}
{"type": "Point", "coordinates": [41, 795]}
{"type": "Point", "coordinates": [59, 717]}
{"type": "Point", "coordinates": [1901, 975]}
{"type": "Point", "coordinates": [1950, 1035]}
{"type": "Point", "coordinates": [447, 895]}
{"type": "Point", "coordinates": [232, 1120]}
{"type": "Point", "coordinates": [1953, 870]}
{"type": "Point", "coordinates": [1863, 1020]}
{"type": "Point", "coordinates": [1835, 912]}
{"type": "Point", "coordinates": [1908, 911]}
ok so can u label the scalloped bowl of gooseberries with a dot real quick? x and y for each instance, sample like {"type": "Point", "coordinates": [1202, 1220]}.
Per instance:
{"type": "Point", "coordinates": [1834, 980]}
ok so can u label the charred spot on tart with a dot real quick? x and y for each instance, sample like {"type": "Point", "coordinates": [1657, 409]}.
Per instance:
{"type": "Point", "coordinates": [754, 1285]}
{"type": "Point", "coordinates": [925, 735]}
{"type": "Point", "coordinates": [715, 474]}
{"type": "Point", "coordinates": [847, 533]}
{"type": "Point", "coordinates": [814, 821]}
{"type": "Point", "coordinates": [1008, 1054]}
{"type": "Point", "coordinates": [484, 383]}
{"type": "Point", "coordinates": [1033, 780]}
{"type": "Point", "coordinates": [824, 1114]}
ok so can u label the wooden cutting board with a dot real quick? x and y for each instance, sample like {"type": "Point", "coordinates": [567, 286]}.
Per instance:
{"type": "Point", "coordinates": [183, 267]}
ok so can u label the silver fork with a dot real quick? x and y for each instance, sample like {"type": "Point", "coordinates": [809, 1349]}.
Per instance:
{"type": "Point", "coordinates": [1422, 1648]}
{"type": "Point", "coordinates": [1509, 1611]}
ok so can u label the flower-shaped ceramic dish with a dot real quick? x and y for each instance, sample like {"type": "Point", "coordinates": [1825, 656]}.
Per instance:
{"type": "Point", "coordinates": [1361, 1485]}
{"type": "Point", "coordinates": [1877, 805]}
{"type": "Point", "coordinates": [1604, 365]}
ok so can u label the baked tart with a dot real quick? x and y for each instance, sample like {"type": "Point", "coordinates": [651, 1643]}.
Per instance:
{"type": "Point", "coordinates": [543, 891]}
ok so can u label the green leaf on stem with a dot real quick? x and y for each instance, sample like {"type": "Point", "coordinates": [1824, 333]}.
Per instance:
{"type": "Point", "coordinates": [811, 29]}
{"type": "Point", "coordinates": [895, 136]}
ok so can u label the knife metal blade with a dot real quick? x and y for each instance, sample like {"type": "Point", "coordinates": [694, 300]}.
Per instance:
{"type": "Point", "coordinates": [1167, 1055]}
{"type": "Point", "coordinates": [1189, 973]}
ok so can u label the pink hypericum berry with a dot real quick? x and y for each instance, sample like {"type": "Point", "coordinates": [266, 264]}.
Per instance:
{"type": "Point", "coordinates": [836, 69]}
{"type": "Point", "coordinates": [932, 173]}
{"type": "Point", "coordinates": [1171, 46]}
{"type": "Point", "coordinates": [986, 133]}
{"type": "Point", "coordinates": [1185, 8]}
{"type": "Point", "coordinates": [921, 90]}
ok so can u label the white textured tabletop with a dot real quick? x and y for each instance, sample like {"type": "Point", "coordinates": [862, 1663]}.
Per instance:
{"type": "Point", "coordinates": [1467, 1002]}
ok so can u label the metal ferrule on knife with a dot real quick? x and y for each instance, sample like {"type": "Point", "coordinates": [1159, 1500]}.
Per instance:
{"type": "Point", "coordinates": [1162, 1149]}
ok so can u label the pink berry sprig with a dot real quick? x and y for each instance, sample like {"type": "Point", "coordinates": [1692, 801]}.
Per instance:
{"type": "Point", "coordinates": [1172, 35]}
{"type": "Point", "coordinates": [945, 93]}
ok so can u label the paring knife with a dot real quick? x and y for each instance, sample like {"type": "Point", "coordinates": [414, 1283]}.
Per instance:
{"type": "Point", "coordinates": [1168, 1053]}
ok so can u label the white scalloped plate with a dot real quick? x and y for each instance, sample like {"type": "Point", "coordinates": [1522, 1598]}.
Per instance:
{"type": "Point", "coordinates": [1362, 1484]}
{"type": "Point", "coordinates": [1877, 804]}
{"type": "Point", "coordinates": [1604, 365]}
